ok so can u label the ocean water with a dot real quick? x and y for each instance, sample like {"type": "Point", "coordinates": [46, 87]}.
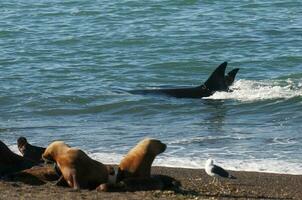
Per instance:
{"type": "Point", "coordinates": [65, 67]}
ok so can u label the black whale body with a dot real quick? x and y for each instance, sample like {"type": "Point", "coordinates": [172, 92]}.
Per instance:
{"type": "Point", "coordinates": [216, 82]}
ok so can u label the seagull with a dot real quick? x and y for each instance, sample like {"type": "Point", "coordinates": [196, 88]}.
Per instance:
{"type": "Point", "coordinates": [216, 171]}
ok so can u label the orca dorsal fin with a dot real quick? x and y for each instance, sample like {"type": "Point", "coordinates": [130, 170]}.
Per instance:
{"type": "Point", "coordinates": [216, 82]}
{"type": "Point", "coordinates": [229, 79]}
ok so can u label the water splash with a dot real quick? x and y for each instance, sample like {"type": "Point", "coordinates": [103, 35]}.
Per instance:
{"type": "Point", "coordinates": [248, 90]}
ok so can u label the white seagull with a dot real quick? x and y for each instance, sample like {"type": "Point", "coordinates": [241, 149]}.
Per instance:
{"type": "Point", "coordinates": [216, 171]}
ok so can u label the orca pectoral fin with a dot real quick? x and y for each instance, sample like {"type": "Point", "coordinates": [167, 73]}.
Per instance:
{"type": "Point", "coordinates": [216, 82]}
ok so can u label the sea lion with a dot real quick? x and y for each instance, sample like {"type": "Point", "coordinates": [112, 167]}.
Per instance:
{"type": "Point", "coordinates": [216, 82]}
{"type": "Point", "coordinates": [11, 162]}
{"type": "Point", "coordinates": [137, 163]}
{"type": "Point", "coordinates": [154, 182]}
{"type": "Point", "coordinates": [37, 175]}
{"type": "Point", "coordinates": [77, 168]}
{"type": "Point", "coordinates": [29, 151]}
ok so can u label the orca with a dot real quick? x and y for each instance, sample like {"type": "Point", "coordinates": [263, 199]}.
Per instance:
{"type": "Point", "coordinates": [216, 82]}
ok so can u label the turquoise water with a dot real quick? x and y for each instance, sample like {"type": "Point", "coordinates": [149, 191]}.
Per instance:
{"type": "Point", "coordinates": [65, 67]}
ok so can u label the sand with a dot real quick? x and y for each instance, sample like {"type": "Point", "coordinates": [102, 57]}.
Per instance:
{"type": "Point", "coordinates": [195, 185]}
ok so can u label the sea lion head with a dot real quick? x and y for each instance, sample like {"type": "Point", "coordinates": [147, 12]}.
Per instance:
{"type": "Point", "coordinates": [154, 146]}
{"type": "Point", "coordinates": [53, 150]}
{"type": "Point", "coordinates": [22, 142]}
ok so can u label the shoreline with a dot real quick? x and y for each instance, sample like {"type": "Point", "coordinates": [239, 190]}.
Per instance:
{"type": "Point", "coordinates": [196, 184]}
{"type": "Point", "coordinates": [257, 165]}
{"type": "Point", "coordinates": [248, 171]}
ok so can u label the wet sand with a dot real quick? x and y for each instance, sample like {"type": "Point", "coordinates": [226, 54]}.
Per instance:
{"type": "Point", "coordinates": [195, 185]}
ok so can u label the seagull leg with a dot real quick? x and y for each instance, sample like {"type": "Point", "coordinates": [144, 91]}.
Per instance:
{"type": "Point", "coordinates": [218, 182]}
{"type": "Point", "coordinates": [215, 180]}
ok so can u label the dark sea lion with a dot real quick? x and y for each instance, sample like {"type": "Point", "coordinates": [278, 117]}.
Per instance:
{"type": "Point", "coordinates": [154, 182]}
{"type": "Point", "coordinates": [77, 168]}
{"type": "Point", "coordinates": [216, 82]}
{"type": "Point", "coordinates": [137, 163]}
{"type": "Point", "coordinates": [29, 151]}
{"type": "Point", "coordinates": [11, 162]}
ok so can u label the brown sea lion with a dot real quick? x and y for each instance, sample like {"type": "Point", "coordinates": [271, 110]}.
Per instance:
{"type": "Point", "coordinates": [37, 175]}
{"type": "Point", "coordinates": [11, 162]}
{"type": "Point", "coordinates": [137, 163]}
{"type": "Point", "coordinates": [78, 169]}
{"type": "Point", "coordinates": [29, 151]}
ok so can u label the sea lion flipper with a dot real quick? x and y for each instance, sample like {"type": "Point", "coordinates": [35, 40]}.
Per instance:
{"type": "Point", "coordinates": [61, 182]}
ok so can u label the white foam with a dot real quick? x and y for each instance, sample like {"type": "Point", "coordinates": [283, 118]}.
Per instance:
{"type": "Point", "coordinates": [248, 90]}
{"type": "Point", "coordinates": [257, 165]}
{"type": "Point", "coordinates": [108, 158]}
{"type": "Point", "coordinates": [199, 139]}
